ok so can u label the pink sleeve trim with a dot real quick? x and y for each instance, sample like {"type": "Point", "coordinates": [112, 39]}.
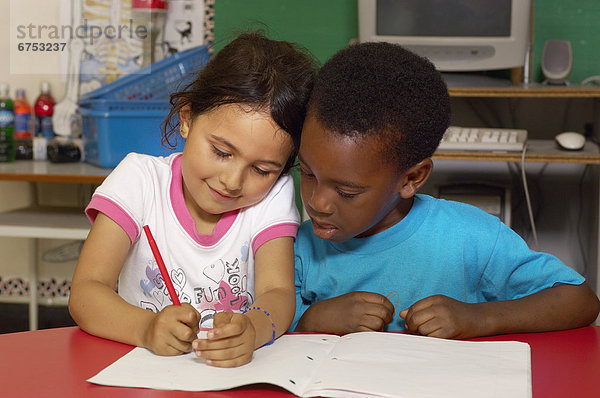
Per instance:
{"type": "Point", "coordinates": [114, 212]}
{"type": "Point", "coordinates": [274, 231]}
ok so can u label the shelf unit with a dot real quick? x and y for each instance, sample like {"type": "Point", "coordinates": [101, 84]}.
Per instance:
{"type": "Point", "coordinates": [41, 223]}
{"type": "Point", "coordinates": [539, 150]}
{"type": "Point", "coordinates": [544, 151]}
{"type": "Point", "coordinates": [42, 171]}
{"type": "Point", "coordinates": [534, 90]}
{"type": "Point", "coordinates": [34, 223]}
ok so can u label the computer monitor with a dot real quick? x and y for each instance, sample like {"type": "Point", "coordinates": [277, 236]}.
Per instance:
{"type": "Point", "coordinates": [456, 35]}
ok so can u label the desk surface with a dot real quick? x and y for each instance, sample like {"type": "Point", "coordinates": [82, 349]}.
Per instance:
{"type": "Point", "coordinates": [544, 151]}
{"type": "Point", "coordinates": [56, 362]}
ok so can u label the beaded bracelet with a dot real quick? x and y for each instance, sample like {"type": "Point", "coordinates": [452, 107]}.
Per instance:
{"type": "Point", "coordinates": [268, 315]}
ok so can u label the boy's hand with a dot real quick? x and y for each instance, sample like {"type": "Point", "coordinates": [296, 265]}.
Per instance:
{"type": "Point", "coordinates": [172, 330]}
{"type": "Point", "coordinates": [442, 316]}
{"type": "Point", "coordinates": [348, 313]}
{"type": "Point", "coordinates": [230, 343]}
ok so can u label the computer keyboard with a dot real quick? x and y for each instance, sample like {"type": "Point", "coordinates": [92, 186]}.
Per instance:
{"type": "Point", "coordinates": [483, 139]}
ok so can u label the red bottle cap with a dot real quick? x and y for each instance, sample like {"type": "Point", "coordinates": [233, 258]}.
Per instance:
{"type": "Point", "coordinates": [151, 4]}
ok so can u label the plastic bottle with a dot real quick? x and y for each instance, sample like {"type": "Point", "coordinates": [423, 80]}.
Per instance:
{"type": "Point", "coordinates": [22, 133]}
{"type": "Point", "coordinates": [7, 122]}
{"type": "Point", "coordinates": [151, 14]}
{"type": "Point", "coordinates": [43, 109]}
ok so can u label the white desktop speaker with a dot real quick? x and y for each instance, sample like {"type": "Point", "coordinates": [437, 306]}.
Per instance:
{"type": "Point", "coordinates": [557, 61]}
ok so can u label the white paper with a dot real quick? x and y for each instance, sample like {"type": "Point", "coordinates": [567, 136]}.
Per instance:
{"type": "Point", "coordinates": [290, 362]}
{"type": "Point", "coordinates": [397, 365]}
{"type": "Point", "coordinates": [359, 364]}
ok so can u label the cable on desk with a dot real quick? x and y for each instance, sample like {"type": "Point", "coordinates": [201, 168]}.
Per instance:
{"type": "Point", "coordinates": [579, 221]}
{"type": "Point", "coordinates": [534, 193]}
{"type": "Point", "coordinates": [528, 200]}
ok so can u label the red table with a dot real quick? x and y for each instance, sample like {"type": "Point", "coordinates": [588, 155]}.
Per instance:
{"type": "Point", "coordinates": [56, 362]}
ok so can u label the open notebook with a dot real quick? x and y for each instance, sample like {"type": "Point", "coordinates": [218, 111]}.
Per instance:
{"type": "Point", "coordinates": [355, 365]}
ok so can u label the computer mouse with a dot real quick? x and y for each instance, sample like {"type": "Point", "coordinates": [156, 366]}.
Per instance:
{"type": "Point", "coordinates": [570, 140]}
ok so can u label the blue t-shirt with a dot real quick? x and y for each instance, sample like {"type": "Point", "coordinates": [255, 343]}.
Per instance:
{"type": "Point", "coordinates": [440, 247]}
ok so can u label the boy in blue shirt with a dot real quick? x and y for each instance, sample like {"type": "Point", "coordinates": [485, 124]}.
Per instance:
{"type": "Point", "coordinates": [378, 256]}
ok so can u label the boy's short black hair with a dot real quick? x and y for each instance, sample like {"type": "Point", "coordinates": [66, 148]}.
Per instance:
{"type": "Point", "coordinates": [384, 91]}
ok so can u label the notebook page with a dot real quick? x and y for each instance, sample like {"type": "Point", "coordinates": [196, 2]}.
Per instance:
{"type": "Point", "coordinates": [289, 362]}
{"type": "Point", "coordinates": [402, 365]}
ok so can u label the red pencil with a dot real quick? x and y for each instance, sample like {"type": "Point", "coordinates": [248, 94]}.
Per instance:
{"type": "Point", "coordinates": [161, 266]}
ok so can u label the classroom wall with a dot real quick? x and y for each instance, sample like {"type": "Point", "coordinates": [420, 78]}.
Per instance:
{"type": "Point", "coordinates": [30, 82]}
{"type": "Point", "coordinates": [326, 26]}
{"type": "Point", "coordinates": [322, 26]}
{"type": "Point", "coordinates": [575, 20]}
{"type": "Point", "coordinates": [14, 255]}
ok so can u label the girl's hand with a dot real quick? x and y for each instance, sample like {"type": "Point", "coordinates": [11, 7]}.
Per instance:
{"type": "Point", "coordinates": [172, 330]}
{"type": "Point", "coordinates": [230, 343]}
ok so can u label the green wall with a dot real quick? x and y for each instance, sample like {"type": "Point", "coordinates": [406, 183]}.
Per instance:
{"type": "Point", "coordinates": [574, 20]}
{"type": "Point", "coordinates": [325, 26]}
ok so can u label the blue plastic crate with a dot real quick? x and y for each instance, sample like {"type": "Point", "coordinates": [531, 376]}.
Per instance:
{"type": "Point", "coordinates": [156, 81]}
{"type": "Point", "coordinates": [112, 129]}
{"type": "Point", "coordinates": [125, 115]}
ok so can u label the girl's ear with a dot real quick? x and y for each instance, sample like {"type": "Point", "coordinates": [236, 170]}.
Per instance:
{"type": "Point", "coordinates": [185, 121]}
{"type": "Point", "coordinates": [414, 178]}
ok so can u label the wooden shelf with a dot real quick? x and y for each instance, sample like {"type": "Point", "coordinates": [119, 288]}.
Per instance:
{"type": "Point", "coordinates": [544, 151]}
{"type": "Point", "coordinates": [41, 300]}
{"type": "Point", "coordinates": [41, 223]}
{"type": "Point", "coordinates": [45, 223]}
{"type": "Point", "coordinates": [42, 171]}
{"type": "Point", "coordinates": [534, 90]}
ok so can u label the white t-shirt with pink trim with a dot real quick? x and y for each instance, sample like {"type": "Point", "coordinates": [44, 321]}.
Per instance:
{"type": "Point", "coordinates": [213, 272]}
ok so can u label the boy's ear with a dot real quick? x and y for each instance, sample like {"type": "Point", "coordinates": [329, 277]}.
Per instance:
{"type": "Point", "coordinates": [185, 121]}
{"type": "Point", "coordinates": [414, 178]}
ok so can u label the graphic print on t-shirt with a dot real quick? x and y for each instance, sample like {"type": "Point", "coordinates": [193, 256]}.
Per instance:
{"type": "Point", "coordinates": [219, 286]}
{"type": "Point", "coordinates": [161, 294]}
{"type": "Point", "coordinates": [228, 289]}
